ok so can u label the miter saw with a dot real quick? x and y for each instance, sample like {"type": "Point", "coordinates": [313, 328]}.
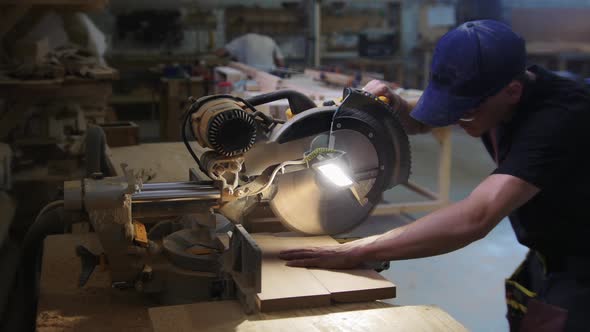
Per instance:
{"type": "Point", "coordinates": [322, 171]}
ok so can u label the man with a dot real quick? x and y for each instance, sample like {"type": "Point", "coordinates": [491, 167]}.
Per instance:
{"type": "Point", "coordinates": [533, 123]}
{"type": "Point", "coordinates": [254, 50]}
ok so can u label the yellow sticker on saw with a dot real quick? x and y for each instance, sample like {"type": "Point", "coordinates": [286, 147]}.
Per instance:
{"type": "Point", "coordinates": [383, 99]}
{"type": "Point", "coordinates": [140, 237]}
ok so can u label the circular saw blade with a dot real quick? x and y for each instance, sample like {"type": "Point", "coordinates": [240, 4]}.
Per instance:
{"type": "Point", "coordinates": [306, 205]}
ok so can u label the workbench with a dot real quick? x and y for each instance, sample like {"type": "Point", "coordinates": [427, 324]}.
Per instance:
{"type": "Point", "coordinates": [63, 306]}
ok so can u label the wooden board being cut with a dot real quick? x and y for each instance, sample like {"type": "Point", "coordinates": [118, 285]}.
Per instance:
{"type": "Point", "coordinates": [226, 316]}
{"type": "Point", "coordinates": [285, 287]}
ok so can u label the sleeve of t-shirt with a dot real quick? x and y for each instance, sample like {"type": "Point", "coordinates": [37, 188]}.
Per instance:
{"type": "Point", "coordinates": [277, 52]}
{"type": "Point", "coordinates": [234, 47]}
{"type": "Point", "coordinates": [542, 150]}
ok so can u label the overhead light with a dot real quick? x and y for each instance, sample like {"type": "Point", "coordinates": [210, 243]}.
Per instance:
{"type": "Point", "coordinates": [335, 174]}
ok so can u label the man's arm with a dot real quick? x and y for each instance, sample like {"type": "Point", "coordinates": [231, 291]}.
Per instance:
{"type": "Point", "coordinates": [279, 62]}
{"type": "Point", "coordinates": [440, 232]}
{"type": "Point", "coordinates": [278, 57]}
{"type": "Point", "coordinates": [404, 107]}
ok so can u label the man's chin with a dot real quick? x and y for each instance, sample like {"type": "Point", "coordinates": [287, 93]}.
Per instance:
{"type": "Point", "coordinates": [473, 133]}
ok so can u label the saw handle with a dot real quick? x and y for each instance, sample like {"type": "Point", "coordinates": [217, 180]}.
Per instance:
{"type": "Point", "coordinates": [298, 102]}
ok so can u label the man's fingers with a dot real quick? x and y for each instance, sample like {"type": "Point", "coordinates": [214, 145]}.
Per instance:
{"type": "Point", "coordinates": [297, 255]}
{"type": "Point", "coordinates": [300, 253]}
{"type": "Point", "coordinates": [377, 88]}
{"type": "Point", "coordinates": [299, 249]}
{"type": "Point", "coordinates": [373, 83]}
{"type": "Point", "coordinates": [309, 262]}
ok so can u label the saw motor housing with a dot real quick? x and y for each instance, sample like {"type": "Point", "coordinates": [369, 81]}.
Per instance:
{"type": "Point", "coordinates": [366, 133]}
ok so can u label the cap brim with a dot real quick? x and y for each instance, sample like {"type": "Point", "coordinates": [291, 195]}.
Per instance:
{"type": "Point", "coordinates": [439, 109]}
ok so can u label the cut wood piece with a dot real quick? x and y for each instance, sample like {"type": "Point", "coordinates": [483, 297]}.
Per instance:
{"type": "Point", "coordinates": [123, 133]}
{"type": "Point", "coordinates": [226, 316]}
{"type": "Point", "coordinates": [352, 285]}
{"type": "Point", "coordinates": [357, 285]}
{"type": "Point", "coordinates": [342, 285]}
{"type": "Point", "coordinates": [285, 287]}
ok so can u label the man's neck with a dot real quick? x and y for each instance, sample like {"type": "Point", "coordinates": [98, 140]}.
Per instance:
{"type": "Point", "coordinates": [526, 84]}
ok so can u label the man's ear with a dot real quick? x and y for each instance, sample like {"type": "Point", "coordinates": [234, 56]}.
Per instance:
{"type": "Point", "coordinates": [514, 91]}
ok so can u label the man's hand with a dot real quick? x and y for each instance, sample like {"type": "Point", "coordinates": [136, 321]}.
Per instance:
{"type": "Point", "coordinates": [342, 256]}
{"type": "Point", "coordinates": [404, 107]}
{"type": "Point", "coordinates": [379, 88]}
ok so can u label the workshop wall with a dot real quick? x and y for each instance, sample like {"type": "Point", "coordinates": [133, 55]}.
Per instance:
{"type": "Point", "coordinates": [508, 5]}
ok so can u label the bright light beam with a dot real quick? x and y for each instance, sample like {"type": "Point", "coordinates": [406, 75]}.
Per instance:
{"type": "Point", "coordinates": [335, 174]}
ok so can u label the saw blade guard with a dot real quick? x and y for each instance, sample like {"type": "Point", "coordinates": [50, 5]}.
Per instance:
{"type": "Point", "coordinates": [372, 145]}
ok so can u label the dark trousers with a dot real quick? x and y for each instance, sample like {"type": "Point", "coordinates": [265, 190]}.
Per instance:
{"type": "Point", "coordinates": [549, 294]}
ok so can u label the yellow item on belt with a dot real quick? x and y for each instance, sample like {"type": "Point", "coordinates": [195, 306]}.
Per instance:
{"type": "Point", "coordinates": [288, 113]}
{"type": "Point", "coordinates": [141, 238]}
{"type": "Point", "coordinates": [383, 99]}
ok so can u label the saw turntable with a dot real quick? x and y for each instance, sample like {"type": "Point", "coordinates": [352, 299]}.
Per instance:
{"type": "Point", "coordinates": [322, 172]}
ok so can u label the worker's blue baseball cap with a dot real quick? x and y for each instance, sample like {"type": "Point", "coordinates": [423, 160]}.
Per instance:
{"type": "Point", "coordinates": [471, 62]}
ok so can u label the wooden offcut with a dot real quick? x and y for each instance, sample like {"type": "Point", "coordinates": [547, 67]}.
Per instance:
{"type": "Point", "coordinates": [121, 133]}
{"type": "Point", "coordinates": [285, 287]}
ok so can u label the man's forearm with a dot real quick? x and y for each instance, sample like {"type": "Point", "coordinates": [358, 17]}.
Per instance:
{"type": "Point", "coordinates": [441, 232]}
{"type": "Point", "coordinates": [404, 107]}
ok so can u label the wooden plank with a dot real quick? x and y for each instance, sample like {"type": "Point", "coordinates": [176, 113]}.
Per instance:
{"type": "Point", "coordinates": [121, 133]}
{"type": "Point", "coordinates": [420, 190]}
{"type": "Point", "coordinates": [266, 81]}
{"type": "Point", "coordinates": [285, 287]}
{"type": "Point", "coordinates": [356, 285]}
{"type": "Point", "coordinates": [343, 285]}
{"type": "Point", "coordinates": [338, 79]}
{"type": "Point", "coordinates": [352, 285]}
{"type": "Point", "coordinates": [226, 316]}
{"type": "Point", "coordinates": [444, 164]}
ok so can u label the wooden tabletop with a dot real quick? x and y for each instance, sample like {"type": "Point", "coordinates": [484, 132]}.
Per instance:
{"type": "Point", "coordinates": [227, 316]}
{"type": "Point", "coordinates": [98, 307]}
{"type": "Point", "coordinates": [63, 306]}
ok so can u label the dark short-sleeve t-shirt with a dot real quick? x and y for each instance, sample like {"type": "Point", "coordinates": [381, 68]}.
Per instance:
{"type": "Point", "coordinates": [547, 144]}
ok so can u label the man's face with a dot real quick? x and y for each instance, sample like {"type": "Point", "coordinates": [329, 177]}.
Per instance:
{"type": "Point", "coordinates": [491, 111]}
